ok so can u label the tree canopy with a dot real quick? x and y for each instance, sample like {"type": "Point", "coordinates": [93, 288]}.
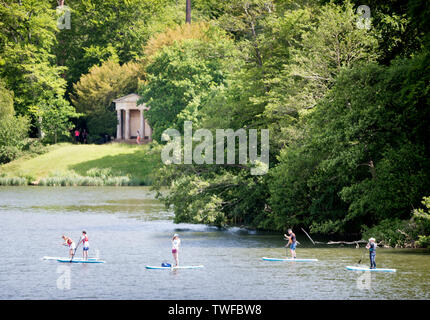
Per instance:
{"type": "Point", "coordinates": [346, 103]}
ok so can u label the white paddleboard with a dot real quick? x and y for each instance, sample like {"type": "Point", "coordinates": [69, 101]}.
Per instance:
{"type": "Point", "coordinates": [368, 269]}
{"type": "Point", "coordinates": [289, 259]}
{"type": "Point", "coordinates": [170, 268]}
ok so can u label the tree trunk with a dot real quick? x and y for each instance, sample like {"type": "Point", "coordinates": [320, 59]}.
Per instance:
{"type": "Point", "coordinates": [188, 12]}
{"type": "Point", "coordinates": [39, 128]}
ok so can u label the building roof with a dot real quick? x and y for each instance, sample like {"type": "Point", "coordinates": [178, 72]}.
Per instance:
{"type": "Point", "coordinates": [129, 101]}
{"type": "Point", "coordinates": [128, 97]}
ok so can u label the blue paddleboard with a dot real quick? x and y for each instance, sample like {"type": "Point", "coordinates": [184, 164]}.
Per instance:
{"type": "Point", "coordinates": [65, 258]}
{"type": "Point", "coordinates": [170, 268]}
{"type": "Point", "coordinates": [368, 269]}
{"type": "Point", "coordinates": [289, 259]}
{"type": "Point", "coordinates": [80, 261]}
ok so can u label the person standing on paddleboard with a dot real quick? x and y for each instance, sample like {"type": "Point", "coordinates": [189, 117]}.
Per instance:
{"type": "Point", "coordinates": [372, 252]}
{"type": "Point", "coordinates": [291, 242]}
{"type": "Point", "coordinates": [71, 244]}
{"type": "Point", "coordinates": [175, 248]}
{"type": "Point", "coordinates": [85, 245]}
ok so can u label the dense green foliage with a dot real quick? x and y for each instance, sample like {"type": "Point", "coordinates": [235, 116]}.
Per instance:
{"type": "Point", "coordinates": [180, 76]}
{"type": "Point", "coordinates": [347, 106]}
{"type": "Point", "coordinates": [103, 29]}
{"type": "Point", "coordinates": [347, 110]}
{"type": "Point", "coordinates": [363, 161]}
{"type": "Point", "coordinates": [95, 92]}
{"type": "Point", "coordinates": [13, 129]}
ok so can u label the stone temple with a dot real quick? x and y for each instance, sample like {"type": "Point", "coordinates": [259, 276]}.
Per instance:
{"type": "Point", "coordinates": [131, 119]}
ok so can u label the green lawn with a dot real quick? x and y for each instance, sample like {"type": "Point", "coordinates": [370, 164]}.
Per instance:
{"type": "Point", "coordinates": [122, 159]}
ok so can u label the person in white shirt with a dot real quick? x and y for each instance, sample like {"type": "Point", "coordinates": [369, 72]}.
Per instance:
{"type": "Point", "coordinates": [175, 248]}
{"type": "Point", "coordinates": [85, 245]}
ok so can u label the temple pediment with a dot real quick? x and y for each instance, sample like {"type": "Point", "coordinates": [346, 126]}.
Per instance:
{"type": "Point", "coordinates": [129, 102]}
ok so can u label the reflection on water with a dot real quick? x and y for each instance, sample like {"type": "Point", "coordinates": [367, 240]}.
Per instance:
{"type": "Point", "coordinates": [129, 229]}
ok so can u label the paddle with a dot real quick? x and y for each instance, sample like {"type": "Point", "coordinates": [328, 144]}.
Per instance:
{"type": "Point", "coordinates": [75, 251]}
{"type": "Point", "coordinates": [359, 261]}
{"type": "Point", "coordinates": [286, 246]}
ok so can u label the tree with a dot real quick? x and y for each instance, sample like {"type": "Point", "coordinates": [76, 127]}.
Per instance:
{"type": "Point", "coordinates": [13, 130]}
{"type": "Point", "coordinates": [188, 12]}
{"type": "Point", "coordinates": [179, 76]}
{"type": "Point", "coordinates": [54, 118]}
{"type": "Point", "coordinates": [28, 32]}
{"type": "Point", "coordinates": [6, 101]}
{"type": "Point", "coordinates": [364, 157]}
{"type": "Point", "coordinates": [95, 92]}
{"type": "Point", "coordinates": [322, 42]}
{"type": "Point", "coordinates": [110, 29]}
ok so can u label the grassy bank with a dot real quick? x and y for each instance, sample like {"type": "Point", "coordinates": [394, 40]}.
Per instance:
{"type": "Point", "coordinates": [70, 164]}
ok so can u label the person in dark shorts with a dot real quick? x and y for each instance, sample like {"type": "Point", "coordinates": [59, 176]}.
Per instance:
{"type": "Point", "coordinates": [372, 252]}
{"type": "Point", "coordinates": [292, 242]}
{"type": "Point", "coordinates": [85, 245]}
{"type": "Point", "coordinates": [77, 134]}
{"type": "Point", "coordinates": [84, 136]}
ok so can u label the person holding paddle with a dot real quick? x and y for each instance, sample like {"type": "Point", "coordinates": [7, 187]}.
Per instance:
{"type": "Point", "coordinates": [292, 242]}
{"type": "Point", "coordinates": [175, 248]}
{"type": "Point", "coordinates": [372, 252]}
{"type": "Point", "coordinates": [71, 244]}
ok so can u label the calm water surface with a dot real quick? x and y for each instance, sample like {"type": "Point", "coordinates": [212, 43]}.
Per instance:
{"type": "Point", "coordinates": [129, 229]}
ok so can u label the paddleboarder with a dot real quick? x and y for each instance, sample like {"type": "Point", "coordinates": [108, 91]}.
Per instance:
{"type": "Point", "coordinates": [175, 248]}
{"type": "Point", "coordinates": [85, 245]}
{"type": "Point", "coordinates": [69, 243]}
{"type": "Point", "coordinates": [372, 252]}
{"type": "Point", "coordinates": [291, 242]}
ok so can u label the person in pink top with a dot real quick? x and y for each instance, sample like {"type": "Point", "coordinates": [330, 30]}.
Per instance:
{"type": "Point", "coordinates": [77, 133]}
{"type": "Point", "coordinates": [138, 137]}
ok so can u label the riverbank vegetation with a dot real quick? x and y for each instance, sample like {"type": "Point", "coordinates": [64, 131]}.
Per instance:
{"type": "Point", "coordinates": [347, 109]}
{"type": "Point", "coordinates": [344, 96]}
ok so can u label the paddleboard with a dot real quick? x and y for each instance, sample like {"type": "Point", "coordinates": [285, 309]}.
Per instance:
{"type": "Point", "coordinates": [289, 259]}
{"type": "Point", "coordinates": [80, 261]}
{"type": "Point", "coordinates": [368, 269]}
{"type": "Point", "coordinates": [170, 268]}
{"type": "Point", "coordinates": [65, 258]}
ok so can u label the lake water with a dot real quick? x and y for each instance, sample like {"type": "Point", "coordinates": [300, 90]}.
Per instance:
{"type": "Point", "coordinates": [129, 229]}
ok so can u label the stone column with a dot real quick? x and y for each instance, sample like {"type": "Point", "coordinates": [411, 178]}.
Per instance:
{"type": "Point", "coordinates": [127, 124]}
{"type": "Point", "coordinates": [119, 125]}
{"type": "Point", "coordinates": [142, 125]}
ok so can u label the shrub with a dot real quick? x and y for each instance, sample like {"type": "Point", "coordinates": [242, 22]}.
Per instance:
{"type": "Point", "coordinates": [34, 147]}
{"type": "Point", "coordinates": [13, 133]}
{"type": "Point", "coordinates": [392, 232]}
{"type": "Point", "coordinates": [404, 233]}
{"type": "Point", "coordinates": [423, 241]}
{"type": "Point", "coordinates": [421, 222]}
